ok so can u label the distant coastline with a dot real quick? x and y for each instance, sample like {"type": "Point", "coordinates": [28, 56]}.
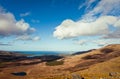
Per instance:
{"type": "Point", "coordinates": [41, 53]}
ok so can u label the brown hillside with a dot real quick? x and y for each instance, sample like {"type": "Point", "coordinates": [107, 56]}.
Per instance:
{"type": "Point", "coordinates": [103, 60]}
{"type": "Point", "coordinates": [84, 61]}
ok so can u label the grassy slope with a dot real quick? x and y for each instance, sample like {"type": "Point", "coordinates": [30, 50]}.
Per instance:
{"type": "Point", "coordinates": [102, 70]}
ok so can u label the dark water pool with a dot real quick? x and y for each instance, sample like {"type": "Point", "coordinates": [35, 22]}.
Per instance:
{"type": "Point", "coordinates": [19, 73]}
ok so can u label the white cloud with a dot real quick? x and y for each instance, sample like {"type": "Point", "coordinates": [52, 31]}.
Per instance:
{"type": "Point", "coordinates": [104, 42]}
{"type": "Point", "coordinates": [10, 26]}
{"type": "Point", "coordinates": [28, 37]}
{"type": "Point", "coordinates": [69, 28]}
{"type": "Point", "coordinates": [36, 38]}
{"type": "Point", "coordinates": [86, 4]}
{"type": "Point", "coordinates": [95, 22]}
{"type": "Point", "coordinates": [100, 42]}
{"type": "Point", "coordinates": [5, 44]}
{"type": "Point", "coordinates": [25, 14]}
{"type": "Point", "coordinates": [82, 5]}
{"type": "Point", "coordinates": [117, 24]}
{"type": "Point", "coordinates": [81, 42]}
{"type": "Point", "coordinates": [115, 34]}
{"type": "Point", "coordinates": [24, 37]}
{"type": "Point", "coordinates": [105, 7]}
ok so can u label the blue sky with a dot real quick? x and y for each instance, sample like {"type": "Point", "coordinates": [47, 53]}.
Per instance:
{"type": "Point", "coordinates": [58, 25]}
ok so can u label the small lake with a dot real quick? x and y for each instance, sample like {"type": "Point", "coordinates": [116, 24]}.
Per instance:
{"type": "Point", "coordinates": [19, 73]}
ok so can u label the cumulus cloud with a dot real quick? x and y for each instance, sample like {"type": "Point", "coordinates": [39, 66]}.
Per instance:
{"type": "Point", "coordinates": [20, 30]}
{"type": "Point", "coordinates": [25, 14]}
{"type": "Point", "coordinates": [69, 28]}
{"type": "Point", "coordinates": [9, 26]}
{"type": "Point", "coordinates": [95, 22]}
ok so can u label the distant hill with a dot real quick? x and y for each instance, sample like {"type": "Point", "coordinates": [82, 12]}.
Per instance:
{"type": "Point", "coordinates": [21, 59]}
{"type": "Point", "coordinates": [10, 56]}
{"type": "Point", "coordinates": [10, 53]}
{"type": "Point", "coordinates": [81, 52]}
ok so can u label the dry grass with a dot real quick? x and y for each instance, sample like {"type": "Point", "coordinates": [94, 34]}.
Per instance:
{"type": "Point", "coordinates": [95, 64]}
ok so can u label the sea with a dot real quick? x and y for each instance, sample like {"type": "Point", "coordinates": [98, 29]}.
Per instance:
{"type": "Point", "coordinates": [41, 53]}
